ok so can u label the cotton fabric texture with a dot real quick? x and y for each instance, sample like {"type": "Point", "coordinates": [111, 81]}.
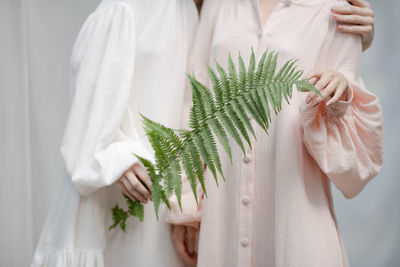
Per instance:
{"type": "Point", "coordinates": [130, 57]}
{"type": "Point", "coordinates": [275, 208]}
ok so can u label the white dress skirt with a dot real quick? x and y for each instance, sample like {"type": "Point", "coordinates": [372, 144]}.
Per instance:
{"type": "Point", "coordinates": [130, 57]}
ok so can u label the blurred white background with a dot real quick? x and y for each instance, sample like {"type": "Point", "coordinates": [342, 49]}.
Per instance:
{"type": "Point", "coordinates": [36, 38]}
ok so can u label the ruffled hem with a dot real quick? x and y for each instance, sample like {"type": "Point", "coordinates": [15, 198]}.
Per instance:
{"type": "Point", "coordinates": [68, 258]}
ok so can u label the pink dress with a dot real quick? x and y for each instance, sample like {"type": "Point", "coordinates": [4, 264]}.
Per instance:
{"type": "Point", "coordinates": [275, 208]}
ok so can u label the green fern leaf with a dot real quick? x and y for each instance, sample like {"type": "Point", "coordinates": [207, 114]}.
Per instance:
{"type": "Point", "coordinates": [233, 77]}
{"type": "Point", "coordinates": [220, 133]}
{"type": "Point", "coordinates": [135, 208]}
{"type": "Point", "coordinates": [205, 155]}
{"type": "Point", "coordinates": [217, 88]}
{"type": "Point", "coordinates": [238, 123]}
{"type": "Point", "coordinates": [251, 69]}
{"type": "Point", "coordinates": [211, 147]}
{"type": "Point", "coordinates": [239, 109]}
{"type": "Point", "coordinates": [245, 103]}
{"type": "Point", "coordinates": [225, 85]}
{"type": "Point", "coordinates": [189, 170]}
{"type": "Point", "coordinates": [237, 96]}
{"type": "Point", "coordinates": [156, 193]}
{"type": "Point", "coordinates": [260, 68]}
{"type": "Point", "coordinates": [242, 74]}
{"type": "Point", "coordinates": [194, 154]}
{"type": "Point", "coordinates": [231, 129]}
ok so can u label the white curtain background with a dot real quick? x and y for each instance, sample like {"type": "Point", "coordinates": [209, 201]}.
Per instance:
{"type": "Point", "coordinates": [36, 38]}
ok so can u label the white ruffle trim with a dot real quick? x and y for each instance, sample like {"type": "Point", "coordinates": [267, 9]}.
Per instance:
{"type": "Point", "coordinates": [68, 258]}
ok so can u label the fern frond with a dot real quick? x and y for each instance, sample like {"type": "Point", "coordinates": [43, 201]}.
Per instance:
{"type": "Point", "coordinates": [233, 77]}
{"type": "Point", "coordinates": [231, 129]}
{"type": "Point", "coordinates": [194, 154]}
{"type": "Point", "coordinates": [237, 96]}
{"type": "Point", "coordinates": [211, 147]}
{"type": "Point", "coordinates": [225, 84]}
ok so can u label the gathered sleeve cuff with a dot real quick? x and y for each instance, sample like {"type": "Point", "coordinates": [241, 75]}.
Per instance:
{"type": "Point", "coordinates": [346, 140]}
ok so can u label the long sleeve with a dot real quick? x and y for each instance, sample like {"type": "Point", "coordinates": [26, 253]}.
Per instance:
{"type": "Point", "coordinates": [345, 139]}
{"type": "Point", "coordinates": [95, 149]}
{"type": "Point", "coordinates": [198, 62]}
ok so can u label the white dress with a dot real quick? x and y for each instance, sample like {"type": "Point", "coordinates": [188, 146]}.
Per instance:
{"type": "Point", "coordinates": [129, 58]}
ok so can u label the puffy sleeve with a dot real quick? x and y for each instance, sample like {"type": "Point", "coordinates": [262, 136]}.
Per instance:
{"type": "Point", "coordinates": [95, 149]}
{"type": "Point", "coordinates": [346, 138]}
{"type": "Point", "coordinates": [198, 62]}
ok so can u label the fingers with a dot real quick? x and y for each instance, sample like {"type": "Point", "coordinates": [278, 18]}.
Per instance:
{"type": "Point", "coordinates": [350, 10]}
{"type": "Point", "coordinates": [185, 255]}
{"type": "Point", "coordinates": [191, 239]}
{"type": "Point", "coordinates": [331, 84]}
{"type": "Point", "coordinates": [360, 3]}
{"type": "Point", "coordinates": [354, 19]}
{"type": "Point", "coordinates": [313, 77]}
{"type": "Point", "coordinates": [142, 175]}
{"type": "Point", "coordinates": [136, 186]}
{"type": "Point", "coordinates": [132, 190]}
{"type": "Point", "coordinates": [340, 91]}
{"type": "Point", "coordinates": [313, 74]}
{"type": "Point", "coordinates": [323, 81]}
{"type": "Point", "coordinates": [178, 237]}
{"type": "Point", "coordinates": [123, 189]}
{"type": "Point", "coordinates": [326, 92]}
{"type": "Point", "coordinates": [355, 29]}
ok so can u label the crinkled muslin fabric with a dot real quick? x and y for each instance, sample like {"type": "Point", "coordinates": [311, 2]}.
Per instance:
{"type": "Point", "coordinates": [275, 208]}
{"type": "Point", "coordinates": [130, 57]}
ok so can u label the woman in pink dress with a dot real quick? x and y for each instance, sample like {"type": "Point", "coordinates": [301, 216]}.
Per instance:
{"type": "Point", "coordinates": [275, 208]}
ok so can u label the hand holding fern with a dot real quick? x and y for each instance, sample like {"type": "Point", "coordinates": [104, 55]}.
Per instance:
{"type": "Point", "coordinates": [332, 85]}
{"type": "Point", "coordinates": [136, 184]}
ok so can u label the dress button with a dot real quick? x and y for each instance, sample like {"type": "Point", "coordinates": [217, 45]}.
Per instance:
{"type": "Point", "coordinates": [244, 242]}
{"type": "Point", "coordinates": [246, 200]}
{"type": "Point", "coordinates": [247, 159]}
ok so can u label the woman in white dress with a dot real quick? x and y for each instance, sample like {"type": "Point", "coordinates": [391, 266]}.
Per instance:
{"type": "Point", "coordinates": [129, 58]}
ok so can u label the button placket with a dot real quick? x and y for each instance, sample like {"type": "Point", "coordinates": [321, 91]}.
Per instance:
{"type": "Point", "coordinates": [245, 208]}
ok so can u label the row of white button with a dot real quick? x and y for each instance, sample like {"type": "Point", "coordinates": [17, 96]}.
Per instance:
{"type": "Point", "coordinates": [246, 199]}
